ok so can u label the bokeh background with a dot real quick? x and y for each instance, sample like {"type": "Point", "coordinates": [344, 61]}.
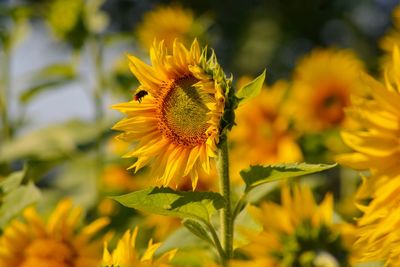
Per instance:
{"type": "Point", "coordinates": [63, 64]}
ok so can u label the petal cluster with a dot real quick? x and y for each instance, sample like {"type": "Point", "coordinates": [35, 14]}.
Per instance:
{"type": "Point", "coordinates": [376, 146]}
{"type": "Point", "coordinates": [296, 232]}
{"type": "Point", "coordinates": [125, 255]}
{"type": "Point", "coordinates": [56, 242]}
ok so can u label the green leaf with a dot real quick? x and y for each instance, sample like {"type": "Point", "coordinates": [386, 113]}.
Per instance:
{"type": "Point", "coordinates": [16, 200]}
{"type": "Point", "coordinates": [53, 142]}
{"type": "Point", "coordinates": [165, 201]}
{"type": "Point", "coordinates": [183, 240]}
{"type": "Point", "coordinates": [50, 77]}
{"type": "Point", "coordinates": [257, 175]}
{"type": "Point", "coordinates": [251, 90]}
{"type": "Point", "coordinates": [198, 230]}
{"type": "Point", "coordinates": [12, 181]}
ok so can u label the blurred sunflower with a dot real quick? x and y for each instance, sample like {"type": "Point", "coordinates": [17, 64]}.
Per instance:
{"type": "Point", "coordinates": [117, 178]}
{"type": "Point", "coordinates": [322, 84]}
{"type": "Point", "coordinates": [55, 243]}
{"type": "Point", "coordinates": [73, 20]}
{"type": "Point", "coordinates": [262, 131]}
{"type": "Point", "coordinates": [392, 37]}
{"type": "Point", "coordinates": [125, 255]}
{"type": "Point", "coordinates": [376, 144]}
{"type": "Point", "coordinates": [299, 232]}
{"type": "Point", "coordinates": [377, 149]}
{"type": "Point", "coordinates": [176, 119]}
{"type": "Point", "coordinates": [167, 23]}
{"type": "Point", "coordinates": [388, 41]}
{"type": "Point", "coordinates": [162, 226]}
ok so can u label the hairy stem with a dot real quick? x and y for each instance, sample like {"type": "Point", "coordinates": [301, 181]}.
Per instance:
{"type": "Point", "coordinates": [226, 214]}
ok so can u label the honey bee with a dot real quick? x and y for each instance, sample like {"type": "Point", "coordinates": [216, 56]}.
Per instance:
{"type": "Point", "coordinates": [139, 95]}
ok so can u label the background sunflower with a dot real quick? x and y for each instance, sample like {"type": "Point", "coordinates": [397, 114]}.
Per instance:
{"type": "Point", "coordinates": [64, 63]}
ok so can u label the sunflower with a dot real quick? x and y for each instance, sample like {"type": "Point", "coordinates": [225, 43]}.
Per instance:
{"type": "Point", "coordinates": [376, 144]}
{"type": "Point", "coordinates": [322, 84]}
{"type": "Point", "coordinates": [55, 243]}
{"type": "Point", "coordinates": [299, 232]}
{"type": "Point", "coordinates": [392, 37]}
{"type": "Point", "coordinates": [73, 20]}
{"type": "Point", "coordinates": [388, 41]}
{"type": "Point", "coordinates": [262, 132]}
{"type": "Point", "coordinates": [125, 255]}
{"type": "Point", "coordinates": [176, 122]}
{"type": "Point", "coordinates": [166, 23]}
{"type": "Point", "coordinates": [116, 178]}
{"type": "Point", "coordinates": [378, 237]}
{"type": "Point", "coordinates": [377, 149]}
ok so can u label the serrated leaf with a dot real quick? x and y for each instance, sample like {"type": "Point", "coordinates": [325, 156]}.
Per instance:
{"type": "Point", "coordinates": [16, 200]}
{"type": "Point", "coordinates": [165, 201]}
{"type": "Point", "coordinates": [251, 90]}
{"type": "Point", "coordinates": [257, 175]}
{"type": "Point", "coordinates": [12, 181]}
{"type": "Point", "coordinates": [198, 230]}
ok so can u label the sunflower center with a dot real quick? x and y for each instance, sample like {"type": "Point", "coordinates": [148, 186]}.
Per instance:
{"type": "Point", "coordinates": [48, 252]}
{"type": "Point", "coordinates": [183, 113]}
{"type": "Point", "coordinates": [330, 102]}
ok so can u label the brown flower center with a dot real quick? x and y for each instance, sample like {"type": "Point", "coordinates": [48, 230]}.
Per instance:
{"type": "Point", "coordinates": [182, 112]}
{"type": "Point", "coordinates": [330, 101]}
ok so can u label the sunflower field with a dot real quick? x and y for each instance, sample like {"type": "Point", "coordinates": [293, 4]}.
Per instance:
{"type": "Point", "coordinates": [155, 133]}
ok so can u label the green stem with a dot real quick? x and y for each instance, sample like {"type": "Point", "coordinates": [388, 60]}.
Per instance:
{"type": "Point", "coordinates": [97, 55]}
{"type": "Point", "coordinates": [226, 214]}
{"type": "Point", "coordinates": [96, 43]}
{"type": "Point", "coordinates": [239, 206]}
{"type": "Point", "coordinates": [217, 243]}
{"type": "Point", "coordinates": [4, 93]}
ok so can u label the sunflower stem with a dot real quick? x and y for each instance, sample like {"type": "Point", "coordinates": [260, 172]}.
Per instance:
{"type": "Point", "coordinates": [96, 43]}
{"type": "Point", "coordinates": [217, 243]}
{"type": "Point", "coordinates": [226, 213]}
{"type": "Point", "coordinates": [4, 93]}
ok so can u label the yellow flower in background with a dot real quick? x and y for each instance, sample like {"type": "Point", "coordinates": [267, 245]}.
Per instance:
{"type": "Point", "coordinates": [162, 226]}
{"type": "Point", "coordinates": [125, 255]}
{"type": "Point", "coordinates": [63, 16]}
{"type": "Point", "coordinates": [72, 20]}
{"type": "Point", "coordinates": [117, 178]}
{"type": "Point", "coordinates": [56, 242]}
{"type": "Point", "coordinates": [176, 115]}
{"type": "Point", "coordinates": [262, 134]}
{"type": "Point", "coordinates": [376, 145]}
{"type": "Point", "coordinates": [388, 41]}
{"type": "Point", "coordinates": [392, 37]}
{"type": "Point", "coordinates": [299, 232]}
{"type": "Point", "coordinates": [166, 23]}
{"type": "Point", "coordinates": [322, 84]}
{"type": "Point", "coordinates": [377, 149]}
